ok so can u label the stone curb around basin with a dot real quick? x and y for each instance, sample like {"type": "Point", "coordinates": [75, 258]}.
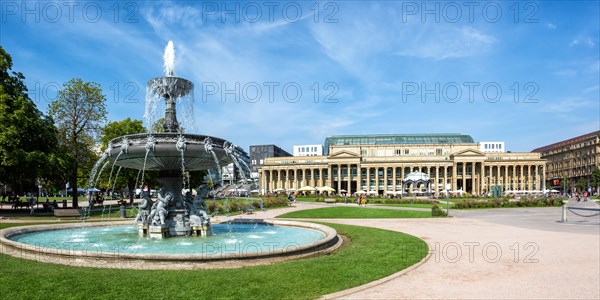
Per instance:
{"type": "Point", "coordinates": [330, 243]}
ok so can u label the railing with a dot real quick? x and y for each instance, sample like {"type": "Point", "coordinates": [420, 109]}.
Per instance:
{"type": "Point", "coordinates": [565, 208]}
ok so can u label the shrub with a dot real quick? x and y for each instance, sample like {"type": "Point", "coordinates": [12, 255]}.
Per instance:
{"type": "Point", "coordinates": [505, 202]}
{"type": "Point", "coordinates": [436, 211]}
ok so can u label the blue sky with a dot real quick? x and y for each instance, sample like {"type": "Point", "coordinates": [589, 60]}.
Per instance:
{"type": "Point", "coordinates": [378, 67]}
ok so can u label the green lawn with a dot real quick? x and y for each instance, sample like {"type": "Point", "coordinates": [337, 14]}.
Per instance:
{"type": "Point", "coordinates": [372, 254]}
{"type": "Point", "coordinates": [355, 212]}
{"type": "Point", "coordinates": [441, 205]}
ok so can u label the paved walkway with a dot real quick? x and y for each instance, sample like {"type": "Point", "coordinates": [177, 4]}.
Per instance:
{"type": "Point", "coordinates": [521, 253]}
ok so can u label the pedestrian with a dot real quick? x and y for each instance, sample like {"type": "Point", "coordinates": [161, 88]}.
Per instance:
{"type": "Point", "coordinates": [31, 201]}
{"type": "Point", "coordinates": [345, 199]}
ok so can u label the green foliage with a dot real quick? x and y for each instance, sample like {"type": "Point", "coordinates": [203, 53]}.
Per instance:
{"type": "Point", "coordinates": [115, 129]}
{"type": "Point", "coordinates": [355, 212]}
{"type": "Point", "coordinates": [595, 178]}
{"type": "Point", "coordinates": [581, 184]}
{"type": "Point", "coordinates": [504, 202]}
{"type": "Point", "coordinates": [158, 126]}
{"type": "Point", "coordinates": [406, 201]}
{"type": "Point", "coordinates": [28, 143]}
{"type": "Point", "coordinates": [234, 205]}
{"type": "Point", "coordinates": [436, 211]}
{"type": "Point", "coordinates": [79, 111]}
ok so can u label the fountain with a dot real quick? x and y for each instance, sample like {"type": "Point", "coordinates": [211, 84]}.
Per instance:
{"type": "Point", "coordinates": [172, 153]}
{"type": "Point", "coordinates": [174, 231]}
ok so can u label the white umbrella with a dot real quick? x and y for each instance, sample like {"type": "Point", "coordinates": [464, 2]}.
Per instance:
{"type": "Point", "coordinates": [390, 192]}
{"type": "Point", "coordinates": [306, 189]}
{"type": "Point", "coordinates": [371, 192]}
{"type": "Point", "coordinates": [361, 192]}
{"type": "Point", "coordinates": [343, 191]}
{"type": "Point", "coordinates": [277, 190]}
{"type": "Point", "coordinates": [326, 189]}
{"type": "Point", "coordinates": [254, 191]}
{"type": "Point", "coordinates": [291, 190]}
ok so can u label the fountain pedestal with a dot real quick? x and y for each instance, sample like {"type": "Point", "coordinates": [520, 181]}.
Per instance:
{"type": "Point", "coordinates": [200, 230]}
{"type": "Point", "coordinates": [143, 230]}
{"type": "Point", "coordinates": [158, 231]}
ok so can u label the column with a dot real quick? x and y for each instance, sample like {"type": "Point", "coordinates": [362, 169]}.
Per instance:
{"type": "Point", "coordinates": [464, 176]}
{"type": "Point", "coordinates": [454, 176]}
{"type": "Point", "coordinates": [385, 178]}
{"type": "Point", "coordinates": [481, 178]}
{"type": "Point", "coordinates": [530, 177]}
{"type": "Point", "coordinates": [521, 179]}
{"type": "Point", "coordinates": [368, 179]}
{"type": "Point", "coordinates": [349, 179]}
{"type": "Point", "coordinates": [329, 181]}
{"type": "Point", "coordinates": [339, 177]}
{"type": "Point", "coordinates": [437, 180]}
{"type": "Point", "coordinates": [377, 179]}
{"type": "Point", "coordinates": [263, 181]}
{"type": "Point", "coordinates": [394, 178]}
{"type": "Point", "coordinates": [543, 175]}
{"type": "Point", "coordinates": [445, 177]}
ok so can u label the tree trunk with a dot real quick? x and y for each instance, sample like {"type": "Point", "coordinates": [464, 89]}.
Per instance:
{"type": "Point", "coordinates": [74, 186]}
{"type": "Point", "coordinates": [130, 185]}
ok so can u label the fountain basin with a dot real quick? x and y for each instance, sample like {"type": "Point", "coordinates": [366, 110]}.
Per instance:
{"type": "Point", "coordinates": [164, 155]}
{"type": "Point", "coordinates": [171, 86]}
{"type": "Point", "coordinates": [247, 244]}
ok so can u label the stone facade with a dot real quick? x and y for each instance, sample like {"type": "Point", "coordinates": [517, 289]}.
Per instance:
{"type": "Point", "coordinates": [571, 160]}
{"type": "Point", "coordinates": [383, 168]}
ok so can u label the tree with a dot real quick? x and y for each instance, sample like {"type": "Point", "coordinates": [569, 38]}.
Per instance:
{"type": "Point", "coordinates": [116, 129]}
{"type": "Point", "coordinates": [595, 180]}
{"type": "Point", "coordinates": [581, 184]}
{"type": "Point", "coordinates": [79, 111]}
{"type": "Point", "coordinates": [28, 144]}
{"type": "Point", "coordinates": [158, 125]}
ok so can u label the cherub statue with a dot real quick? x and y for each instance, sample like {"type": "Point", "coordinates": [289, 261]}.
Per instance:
{"type": "Point", "coordinates": [159, 209]}
{"type": "Point", "coordinates": [144, 209]}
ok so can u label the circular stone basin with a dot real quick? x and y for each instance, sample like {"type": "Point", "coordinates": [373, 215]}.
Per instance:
{"type": "Point", "coordinates": [118, 245]}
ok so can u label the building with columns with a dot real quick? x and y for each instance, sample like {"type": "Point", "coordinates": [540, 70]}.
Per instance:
{"type": "Point", "coordinates": [571, 160]}
{"type": "Point", "coordinates": [405, 164]}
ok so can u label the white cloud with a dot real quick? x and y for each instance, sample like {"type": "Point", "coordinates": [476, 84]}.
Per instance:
{"type": "Point", "coordinates": [450, 42]}
{"type": "Point", "coordinates": [568, 105]}
{"type": "Point", "coordinates": [583, 41]}
{"type": "Point", "coordinates": [551, 26]}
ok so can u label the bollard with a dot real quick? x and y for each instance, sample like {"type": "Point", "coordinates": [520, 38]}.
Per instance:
{"type": "Point", "coordinates": [564, 214]}
{"type": "Point", "coordinates": [123, 211]}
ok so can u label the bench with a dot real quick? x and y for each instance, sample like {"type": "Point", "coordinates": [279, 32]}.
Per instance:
{"type": "Point", "coordinates": [329, 200]}
{"type": "Point", "coordinates": [66, 212]}
{"type": "Point", "coordinates": [248, 209]}
{"type": "Point", "coordinates": [20, 205]}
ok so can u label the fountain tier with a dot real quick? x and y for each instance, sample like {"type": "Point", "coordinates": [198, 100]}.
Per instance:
{"type": "Point", "coordinates": [163, 153]}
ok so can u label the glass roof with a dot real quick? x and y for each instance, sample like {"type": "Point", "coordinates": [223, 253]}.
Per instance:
{"type": "Point", "coordinates": [398, 139]}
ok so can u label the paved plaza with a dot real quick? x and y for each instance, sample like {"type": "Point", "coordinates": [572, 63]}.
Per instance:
{"type": "Point", "coordinates": [516, 253]}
